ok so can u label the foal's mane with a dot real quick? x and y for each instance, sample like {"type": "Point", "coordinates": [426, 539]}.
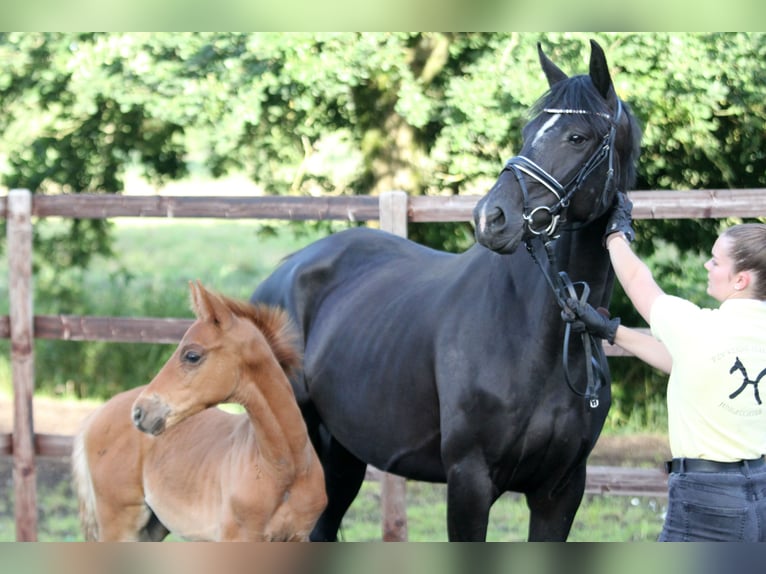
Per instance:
{"type": "Point", "coordinates": [276, 326]}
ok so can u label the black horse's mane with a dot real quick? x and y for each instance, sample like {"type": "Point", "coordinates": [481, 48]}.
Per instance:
{"type": "Point", "coordinates": [579, 93]}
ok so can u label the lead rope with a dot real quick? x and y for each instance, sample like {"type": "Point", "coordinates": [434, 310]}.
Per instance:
{"type": "Point", "coordinates": [565, 287]}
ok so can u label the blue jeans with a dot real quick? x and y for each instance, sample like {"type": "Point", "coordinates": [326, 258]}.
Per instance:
{"type": "Point", "coordinates": [716, 506]}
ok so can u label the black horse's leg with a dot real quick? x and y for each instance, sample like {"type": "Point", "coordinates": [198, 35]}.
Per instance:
{"type": "Point", "coordinates": [552, 513]}
{"type": "Point", "coordinates": [470, 495]}
{"type": "Point", "coordinates": [153, 530]}
{"type": "Point", "coordinates": [343, 475]}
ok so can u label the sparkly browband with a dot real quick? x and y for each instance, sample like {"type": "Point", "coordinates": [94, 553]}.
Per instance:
{"type": "Point", "coordinates": [567, 111]}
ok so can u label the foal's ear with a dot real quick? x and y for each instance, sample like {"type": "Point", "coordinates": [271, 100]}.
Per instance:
{"type": "Point", "coordinates": [209, 307]}
{"type": "Point", "coordinates": [599, 73]}
{"type": "Point", "coordinates": [552, 71]}
{"type": "Point", "coordinates": [194, 288]}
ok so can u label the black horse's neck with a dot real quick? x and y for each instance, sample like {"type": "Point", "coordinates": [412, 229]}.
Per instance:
{"type": "Point", "coordinates": [573, 265]}
{"type": "Point", "coordinates": [576, 267]}
{"type": "Point", "coordinates": [583, 256]}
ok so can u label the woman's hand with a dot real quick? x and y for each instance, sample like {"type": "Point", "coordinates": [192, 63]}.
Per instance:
{"type": "Point", "coordinates": [621, 220]}
{"type": "Point", "coordinates": [595, 322]}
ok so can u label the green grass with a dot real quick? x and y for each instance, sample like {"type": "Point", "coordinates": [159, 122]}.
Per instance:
{"type": "Point", "coordinates": [599, 519]}
{"type": "Point", "coordinates": [228, 256]}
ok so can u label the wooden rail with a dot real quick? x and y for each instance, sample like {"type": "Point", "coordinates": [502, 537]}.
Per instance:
{"type": "Point", "coordinates": [394, 210]}
{"type": "Point", "coordinates": [660, 204]}
{"type": "Point", "coordinates": [689, 204]}
{"type": "Point", "coordinates": [623, 481]}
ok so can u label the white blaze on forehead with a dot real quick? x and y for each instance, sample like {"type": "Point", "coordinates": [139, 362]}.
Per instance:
{"type": "Point", "coordinates": [546, 126]}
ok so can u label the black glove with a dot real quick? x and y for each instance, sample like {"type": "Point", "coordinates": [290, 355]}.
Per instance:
{"type": "Point", "coordinates": [595, 321]}
{"type": "Point", "coordinates": [620, 220]}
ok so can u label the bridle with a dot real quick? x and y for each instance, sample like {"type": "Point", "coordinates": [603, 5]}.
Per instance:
{"type": "Point", "coordinates": [559, 281]}
{"type": "Point", "coordinates": [521, 166]}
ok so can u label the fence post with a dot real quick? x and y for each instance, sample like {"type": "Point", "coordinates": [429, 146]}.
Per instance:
{"type": "Point", "coordinates": [393, 489]}
{"type": "Point", "coordinates": [393, 212]}
{"type": "Point", "coordinates": [19, 228]}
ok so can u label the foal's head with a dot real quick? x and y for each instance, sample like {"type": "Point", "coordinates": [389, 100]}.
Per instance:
{"type": "Point", "coordinates": [230, 342]}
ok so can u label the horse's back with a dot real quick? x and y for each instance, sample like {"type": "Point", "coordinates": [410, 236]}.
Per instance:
{"type": "Point", "coordinates": [126, 479]}
{"type": "Point", "coordinates": [301, 281]}
{"type": "Point", "coordinates": [109, 429]}
{"type": "Point", "coordinates": [108, 434]}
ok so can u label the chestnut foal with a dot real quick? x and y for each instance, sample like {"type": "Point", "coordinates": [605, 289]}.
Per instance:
{"type": "Point", "coordinates": [214, 475]}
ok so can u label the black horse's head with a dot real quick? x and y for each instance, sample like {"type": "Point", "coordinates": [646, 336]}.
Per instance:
{"type": "Point", "coordinates": [580, 147]}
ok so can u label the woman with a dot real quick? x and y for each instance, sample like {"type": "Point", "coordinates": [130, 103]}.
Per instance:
{"type": "Point", "coordinates": [716, 359]}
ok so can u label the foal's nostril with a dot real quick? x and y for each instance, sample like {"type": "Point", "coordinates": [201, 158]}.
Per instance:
{"type": "Point", "coordinates": [138, 416]}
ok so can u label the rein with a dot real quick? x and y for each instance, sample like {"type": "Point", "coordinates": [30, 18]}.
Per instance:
{"type": "Point", "coordinates": [559, 282]}
{"type": "Point", "coordinates": [563, 287]}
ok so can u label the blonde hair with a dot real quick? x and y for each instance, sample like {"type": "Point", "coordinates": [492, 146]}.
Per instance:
{"type": "Point", "coordinates": [748, 252]}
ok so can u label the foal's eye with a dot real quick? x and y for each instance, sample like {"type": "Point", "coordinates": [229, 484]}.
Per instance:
{"type": "Point", "coordinates": [192, 357]}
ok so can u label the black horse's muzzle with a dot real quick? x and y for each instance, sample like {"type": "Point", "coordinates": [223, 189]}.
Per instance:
{"type": "Point", "coordinates": [496, 228]}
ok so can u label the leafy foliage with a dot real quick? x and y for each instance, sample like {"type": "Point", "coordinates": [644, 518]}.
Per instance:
{"type": "Point", "coordinates": [358, 112]}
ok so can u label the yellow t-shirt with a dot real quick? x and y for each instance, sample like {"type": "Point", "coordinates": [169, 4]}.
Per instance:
{"type": "Point", "coordinates": [718, 381]}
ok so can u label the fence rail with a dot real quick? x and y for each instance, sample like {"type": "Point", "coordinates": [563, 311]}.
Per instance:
{"type": "Point", "coordinates": [659, 204]}
{"type": "Point", "coordinates": [393, 209]}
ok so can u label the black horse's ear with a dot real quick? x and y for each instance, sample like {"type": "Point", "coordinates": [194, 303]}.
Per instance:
{"type": "Point", "coordinates": [552, 71]}
{"type": "Point", "coordinates": [599, 72]}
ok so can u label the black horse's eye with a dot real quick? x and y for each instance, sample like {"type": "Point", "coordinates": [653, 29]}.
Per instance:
{"type": "Point", "coordinates": [192, 357]}
{"type": "Point", "coordinates": [577, 139]}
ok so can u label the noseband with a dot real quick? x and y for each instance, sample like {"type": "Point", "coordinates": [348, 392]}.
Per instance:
{"type": "Point", "coordinates": [559, 282]}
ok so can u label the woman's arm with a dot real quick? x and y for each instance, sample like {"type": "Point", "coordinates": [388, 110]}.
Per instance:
{"type": "Point", "coordinates": [645, 347]}
{"type": "Point", "coordinates": [633, 274]}
{"type": "Point", "coordinates": [641, 344]}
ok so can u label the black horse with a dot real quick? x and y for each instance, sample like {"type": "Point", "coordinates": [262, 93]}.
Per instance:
{"type": "Point", "coordinates": [453, 368]}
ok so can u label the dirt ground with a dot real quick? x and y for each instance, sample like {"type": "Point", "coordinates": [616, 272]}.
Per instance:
{"type": "Point", "coordinates": [56, 417]}
{"type": "Point", "coordinates": [50, 416]}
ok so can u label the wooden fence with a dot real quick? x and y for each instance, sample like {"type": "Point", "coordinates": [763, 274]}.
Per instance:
{"type": "Point", "coordinates": [393, 210]}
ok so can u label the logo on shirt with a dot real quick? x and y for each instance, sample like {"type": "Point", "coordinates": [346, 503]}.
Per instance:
{"type": "Point", "coordinates": [738, 366]}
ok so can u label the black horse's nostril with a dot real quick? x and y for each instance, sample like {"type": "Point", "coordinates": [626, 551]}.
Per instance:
{"type": "Point", "coordinates": [493, 218]}
{"type": "Point", "coordinates": [496, 217]}
{"type": "Point", "coordinates": [138, 416]}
